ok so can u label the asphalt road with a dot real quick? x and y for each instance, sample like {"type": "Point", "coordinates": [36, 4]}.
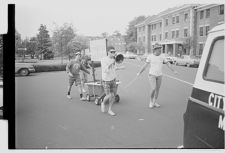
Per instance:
{"type": "Point", "coordinates": [46, 119]}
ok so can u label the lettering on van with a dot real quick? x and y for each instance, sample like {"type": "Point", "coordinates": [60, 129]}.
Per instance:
{"type": "Point", "coordinates": [221, 123]}
{"type": "Point", "coordinates": [218, 102]}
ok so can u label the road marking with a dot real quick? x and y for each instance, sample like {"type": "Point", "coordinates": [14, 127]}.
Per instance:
{"type": "Point", "coordinates": [178, 79]}
{"type": "Point", "coordinates": [165, 75]}
{"type": "Point", "coordinates": [141, 119]}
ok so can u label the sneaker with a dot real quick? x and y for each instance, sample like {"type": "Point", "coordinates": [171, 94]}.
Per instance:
{"type": "Point", "coordinates": [111, 113]}
{"type": "Point", "coordinates": [83, 99]}
{"type": "Point", "coordinates": [103, 107]}
{"type": "Point", "coordinates": [68, 96]}
{"type": "Point", "coordinates": [151, 105]}
{"type": "Point", "coordinates": [156, 105]}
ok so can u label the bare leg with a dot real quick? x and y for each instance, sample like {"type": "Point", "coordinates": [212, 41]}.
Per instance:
{"type": "Point", "coordinates": [152, 81]}
{"type": "Point", "coordinates": [107, 97]}
{"type": "Point", "coordinates": [111, 101]}
{"type": "Point", "coordinates": [158, 84]}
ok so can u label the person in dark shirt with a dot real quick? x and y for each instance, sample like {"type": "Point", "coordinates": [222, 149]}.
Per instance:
{"type": "Point", "coordinates": [73, 69]}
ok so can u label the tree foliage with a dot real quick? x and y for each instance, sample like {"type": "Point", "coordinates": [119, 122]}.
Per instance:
{"type": "Point", "coordinates": [61, 38]}
{"type": "Point", "coordinates": [43, 40]}
{"type": "Point", "coordinates": [131, 33]}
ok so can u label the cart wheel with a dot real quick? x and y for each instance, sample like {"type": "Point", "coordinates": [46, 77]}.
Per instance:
{"type": "Point", "coordinates": [97, 101]}
{"type": "Point", "coordinates": [88, 98]}
{"type": "Point", "coordinates": [117, 98]}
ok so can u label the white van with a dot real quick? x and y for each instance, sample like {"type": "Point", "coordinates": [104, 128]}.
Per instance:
{"type": "Point", "coordinates": [204, 121]}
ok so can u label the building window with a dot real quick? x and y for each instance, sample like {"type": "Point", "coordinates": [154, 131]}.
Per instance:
{"type": "Point", "coordinates": [221, 11]}
{"type": "Point", "coordinates": [173, 20]}
{"type": "Point", "coordinates": [139, 29]}
{"type": "Point", "coordinates": [201, 31]}
{"type": "Point", "coordinates": [200, 49]}
{"type": "Point", "coordinates": [185, 17]}
{"type": "Point", "coordinates": [155, 38]}
{"type": "Point", "coordinates": [160, 37]}
{"type": "Point", "coordinates": [143, 29]}
{"type": "Point", "coordinates": [160, 24]}
{"type": "Point", "coordinates": [177, 19]}
{"type": "Point", "coordinates": [173, 34]}
{"type": "Point", "coordinates": [177, 33]}
{"type": "Point", "coordinates": [185, 32]}
{"type": "Point", "coordinates": [144, 39]}
{"type": "Point", "coordinates": [166, 35]}
{"type": "Point", "coordinates": [207, 13]}
{"type": "Point", "coordinates": [206, 30]}
{"type": "Point", "coordinates": [201, 14]}
{"type": "Point", "coordinates": [166, 22]}
{"type": "Point", "coordinates": [154, 26]}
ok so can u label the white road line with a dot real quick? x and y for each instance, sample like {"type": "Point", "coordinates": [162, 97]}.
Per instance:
{"type": "Point", "coordinates": [165, 75]}
{"type": "Point", "coordinates": [178, 79]}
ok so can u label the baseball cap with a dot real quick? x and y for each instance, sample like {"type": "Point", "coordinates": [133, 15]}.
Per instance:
{"type": "Point", "coordinates": [157, 45]}
{"type": "Point", "coordinates": [112, 50]}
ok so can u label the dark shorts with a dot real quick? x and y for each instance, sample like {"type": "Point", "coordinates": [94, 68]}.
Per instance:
{"type": "Point", "coordinates": [110, 86]}
{"type": "Point", "coordinates": [75, 79]}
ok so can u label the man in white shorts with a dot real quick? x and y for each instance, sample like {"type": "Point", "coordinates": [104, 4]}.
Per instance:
{"type": "Point", "coordinates": [155, 73]}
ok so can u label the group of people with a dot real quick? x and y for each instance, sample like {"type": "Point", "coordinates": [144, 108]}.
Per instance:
{"type": "Point", "coordinates": [109, 67]}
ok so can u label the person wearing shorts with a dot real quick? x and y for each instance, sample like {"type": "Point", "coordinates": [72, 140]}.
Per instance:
{"type": "Point", "coordinates": [155, 73]}
{"type": "Point", "coordinates": [83, 75]}
{"type": "Point", "coordinates": [109, 68]}
{"type": "Point", "coordinates": [73, 69]}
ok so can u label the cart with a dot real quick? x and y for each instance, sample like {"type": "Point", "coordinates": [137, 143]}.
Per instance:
{"type": "Point", "coordinates": [96, 90]}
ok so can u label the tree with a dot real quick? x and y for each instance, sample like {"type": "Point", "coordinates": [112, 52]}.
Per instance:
{"type": "Point", "coordinates": [32, 47]}
{"type": "Point", "coordinates": [132, 47]}
{"type": "Point", "coordinates": [117, 33]}
{"type": "Point", "coordinates": [77, 44]}
{"type": "Point", "coordinates": [18, 43]}
{"type": "Point", "coordinates": [61, 37]}
{"type": "Point", "coordinates": [43, 41]}
{"type": "Point", "coordinates": [131, 33]}
{"type": "Point", "coordinates": [105, 34]}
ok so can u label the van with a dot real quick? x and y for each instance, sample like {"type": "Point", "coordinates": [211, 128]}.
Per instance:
{"type": "Point", "coordinates": [204, 121]}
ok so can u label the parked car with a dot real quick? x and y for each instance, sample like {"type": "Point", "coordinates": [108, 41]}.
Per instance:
{"type": "Point", "coordinates": [24, 69]}
{"type": "Point", "coordinates": [187, 60]}
{"type": "Point", "coordinates": [168, 58]}
{"type": "Point", "coordinates": [130, 55]}
{"type": "Point", "coordinates": [49, 55]}
{"type": "Point", "coordinates": [204, 122]}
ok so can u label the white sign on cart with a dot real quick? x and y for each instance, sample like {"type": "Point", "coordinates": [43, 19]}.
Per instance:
{"type": "Point", "coordinates": [98, 49]}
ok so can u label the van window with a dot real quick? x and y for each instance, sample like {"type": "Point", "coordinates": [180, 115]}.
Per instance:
{"type": "Point", "coordinates": [214, 70]}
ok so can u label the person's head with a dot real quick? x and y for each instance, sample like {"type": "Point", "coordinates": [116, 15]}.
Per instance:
{"type": "Point", "coordinates": [157, 49]}
{"type": "Point", "coordinates": [112, 53]}
{"type": "Point", "coordinates": [77, 56]}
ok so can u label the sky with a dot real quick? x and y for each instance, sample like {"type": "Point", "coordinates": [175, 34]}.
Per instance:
{"type": "Point", "coordinates": [89, 17]}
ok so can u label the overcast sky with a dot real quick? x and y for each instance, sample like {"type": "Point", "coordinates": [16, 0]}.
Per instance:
{"type": "Point", "coordinates": [89, 17]}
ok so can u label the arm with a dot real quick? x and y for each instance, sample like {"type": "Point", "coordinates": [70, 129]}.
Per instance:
{"type": "Point", "coordinates": [84, 69]}
{"type": "Point", "coordinates": [170, 67]}
{"type": "Point", "coordinates": [143, 68]}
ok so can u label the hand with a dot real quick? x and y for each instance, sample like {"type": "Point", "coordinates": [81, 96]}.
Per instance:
{"type": "Point", "coordinates": [70, 74]}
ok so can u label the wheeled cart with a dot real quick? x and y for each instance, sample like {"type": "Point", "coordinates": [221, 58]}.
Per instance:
{"type": "Point", "coordinates": [96, 90]}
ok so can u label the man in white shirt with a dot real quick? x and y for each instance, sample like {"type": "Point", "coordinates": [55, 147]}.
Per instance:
{"type": "Point", "coordinates": [109, 68]}
{"type": "Point", "coordinates": [155, 73]}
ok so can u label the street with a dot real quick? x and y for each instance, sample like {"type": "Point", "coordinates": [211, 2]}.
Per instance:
{"type": "Point", "coordinates": [46, 119]}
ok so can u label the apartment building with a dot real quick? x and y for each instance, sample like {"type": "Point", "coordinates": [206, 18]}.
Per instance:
{"type": "Point", "coordinates": [207, 17]}
{"type": "Point", "coordinates": [178, 29]}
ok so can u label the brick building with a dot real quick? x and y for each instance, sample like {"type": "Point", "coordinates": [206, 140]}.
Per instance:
{"type": "Point", "coordinates": [178, 27]}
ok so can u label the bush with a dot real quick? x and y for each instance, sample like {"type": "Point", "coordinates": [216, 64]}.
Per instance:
{"type": "Point", "coordinates": [56, 67]}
